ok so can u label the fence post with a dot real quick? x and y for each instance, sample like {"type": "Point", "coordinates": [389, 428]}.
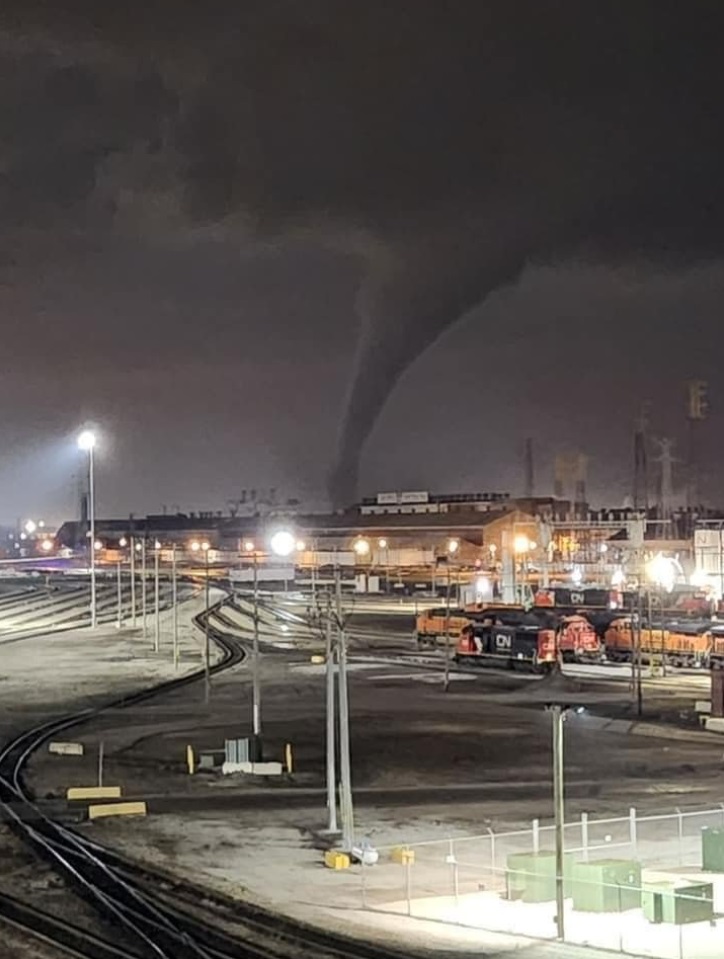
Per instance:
{"type": "Point", "coordinates": [364, 882]}
{"type": "Point", "coordinates": [584, 835]}
{"type": "Point", "coordinates": [680, 818]}
{"type": "Point", "coordinates": [451, 858]}
{"type": "Point", "coordinates": [536, 835]}
{"type": "Point", "coordinates": [632, 829]}
{"type": "Point", "coordinates": [492, 853]}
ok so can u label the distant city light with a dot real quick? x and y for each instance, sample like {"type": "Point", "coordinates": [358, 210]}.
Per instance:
{"type": "Point", "coordinates": [98, 545]}
{"type": "Point", "coordinates": [604, 547]}
{"type": "Point", "coordinates": [23, 536]}
{"type": "Point", "coordinates": [662, 570]}
{"type": "Point", "coordinates": [453, 545]}
{"type": "Point", "coordinates": [196, 546]}
{"type": "Point", "coordinates": [46, 545]}
{"type": "Point", "coordinates": [122, 542]}
{"type": "Point", "coordinates": [382, 543]}
{"type": "Point", "coordinates": [577, 576]}
{"type": "Point", "coordinates": [618, 578]}
{"type": "Point", "coordinates": [521, 543]}
{"type": "Point", "coordinates": [157, 544]}
{"type": "Point", "coordinates": [41, 523]}
{"type": "Point", "coordinates": [300, 545]}
{"type": "Point", "coordinates": [283, 543]}
{"type": "Point", "coordinates": [31, 526]}
{"type": "Point", "coordinates": [361, 546]}
{"type": "Point", "coordinates": [249, 545]}
{"type": "Point", "coordinates": [139, 547]}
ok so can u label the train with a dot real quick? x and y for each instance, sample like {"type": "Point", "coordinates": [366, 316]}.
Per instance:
{"type": "Point", "coordinates": [679, 644]}
{"type": "Point", "coordinates": [511, 647]}
{"type": "Point", "coordinates": [576, 639]}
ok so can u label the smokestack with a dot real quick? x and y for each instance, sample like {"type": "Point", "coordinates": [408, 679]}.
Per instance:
{"type": "Point", "coordinates": [641, 478]}
{"type": "Point", "coordinates": [529, 473]}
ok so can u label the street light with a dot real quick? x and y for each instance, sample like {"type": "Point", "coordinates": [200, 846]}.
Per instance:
{"type": "Point", "coordinates": [559, 712]}
{"type": "Point", "coordinates": [87, 443]}
{"type": "Point", "coordinates": [283, 542]}
{"type": "Point", "coordinates": [361, 546]}
{"type": "Point", "coordinates": [30, 526]}
{"type": "Point", "coordinates": [453, 545]}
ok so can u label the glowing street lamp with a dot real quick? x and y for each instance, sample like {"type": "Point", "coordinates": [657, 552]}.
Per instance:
{"type": "Point", "coordinates": [662, 570]}
{"type": "Point", "coordinates": [361, 546]}
{"type": "Point", "coordinates": [30, 527]}
{"type": "Point", "coordinates": [453, 545]}
{"type": "Point", "coordinates": [283, 542]}
{"type": "Point", "coordinates": [248, 545]}
{"type": "Point", "coordinates": [46, 545]}
{"type": "Point", "coordinates": [87, 443]}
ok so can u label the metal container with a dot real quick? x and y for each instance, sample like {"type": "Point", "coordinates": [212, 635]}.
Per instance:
{"type": "Point", "coordinates": [712, 849]}
{"type": "Point", "coordinates": [608, 885]}
{"type": "Point", "coordinates": [678, 903]}
{"type": "Point", "coordinates": [531, 876]}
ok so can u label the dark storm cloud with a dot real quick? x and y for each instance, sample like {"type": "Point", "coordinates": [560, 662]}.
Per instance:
{"type": "Point", "coordinates": [450, 143]}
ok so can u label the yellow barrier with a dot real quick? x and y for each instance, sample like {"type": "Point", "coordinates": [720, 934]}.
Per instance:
{"type": "Point", "coordinates": [289, 758]}
{"type": "Point", "coordinates": [402, 855]}
{"type": "Point", "coordinates": [94, 792]}
{"type": "Point", "coordinates": [334, 859]}
{"type": "Point", "coordinates": [117, 809]}
{"type": "Point", "coordinates": [190, 760]}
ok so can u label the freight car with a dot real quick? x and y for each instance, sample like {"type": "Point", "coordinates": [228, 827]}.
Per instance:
{"type": "Point", "coordinates": [692, 645]}
{"type": "Point", "coordinates": [508, 647]}
{"type": "Point", "coordinates": [431, 626]}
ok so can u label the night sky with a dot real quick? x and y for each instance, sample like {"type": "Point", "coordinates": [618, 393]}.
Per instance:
{"type": "Point", "coordinates": [240, 237]}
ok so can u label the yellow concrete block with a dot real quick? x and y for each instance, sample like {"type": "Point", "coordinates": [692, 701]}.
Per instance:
{"type": "Point", "coordinates": [318, 660]}
{"type": "Point", "coordinates": [404, 856]}
{"type": "Point", "coordinates": [117, 809]}
{"type": "Point", "coordinates": [94, 792]}
{"type": "Point", "coordinates": [334, 859]}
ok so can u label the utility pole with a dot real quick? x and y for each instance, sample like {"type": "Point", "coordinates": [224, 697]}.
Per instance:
{"type": "Point", "coordinates": [255, 688]}
{"type": "Point", "coordinates": [558, 718]}
{"type": "Point", "coordinates": [133, 582]}
{"type": "Point", "coordinates": [143, 586]}
{"type": "Point", "coordinates": [344, 756]}
{"type": "Point", "coordinates": [157, 599]}
{"type": "Point", "coordinates": [446, 674]}
{"type": "Point", "coordinates": [119, 591]}
{"type": "Point", "coordinates": [529, 469]}
{"type": "Point", "coordinates": [174, 600]}
{"type": "Point", "coordinates": [207, 643]}
{"type": "Point", "coordinates": [331, 771]}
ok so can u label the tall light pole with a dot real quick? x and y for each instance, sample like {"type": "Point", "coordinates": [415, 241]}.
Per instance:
{"type": "Point", "coordinates": [345, 765]}
{"type": "Point", "coordinates": [331, 719]}
{"type": "Point", "coordinates": [174, 600]}
{"type": "Point", "coordinates": [119, 583]}
{"type": "Point", "coordinates": [144, 619]}
{"type": "Point", "coordinates": [134, 547]}
{"type": "Point", "coordinates": [453, 545]}
{"type": "Point", "coordinates": [195, 547]}
{"type": "Point", "coordinates": [87, 442]}
{"type": "Point", "coordinates": [558, 713]}
{"type": "Point", "coordinates": [157, 597]}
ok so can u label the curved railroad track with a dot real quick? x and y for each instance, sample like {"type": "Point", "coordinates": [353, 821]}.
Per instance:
{"type": "Point", "coordinates": [157, 916]}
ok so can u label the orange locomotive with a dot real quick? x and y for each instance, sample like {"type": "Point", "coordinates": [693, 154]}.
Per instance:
{"type": "Point", "coordinates": [680, 646]}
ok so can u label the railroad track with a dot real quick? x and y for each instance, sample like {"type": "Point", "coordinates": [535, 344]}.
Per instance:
{"type": "Point", "coordinates": [158, 916]}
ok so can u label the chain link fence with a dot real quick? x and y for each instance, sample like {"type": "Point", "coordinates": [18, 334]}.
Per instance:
{"type": "Point", "coordinates": [633, 884]}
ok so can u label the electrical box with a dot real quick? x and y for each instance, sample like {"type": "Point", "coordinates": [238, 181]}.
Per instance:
{"type": "Point", "coordinates": [607, 885]}
{"type": "Point", "coordinates": [531, 876]}
{"type": "Point", "coordinates": [712, 849]}
{"type": "Point", "coordinates": [678, 903]}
